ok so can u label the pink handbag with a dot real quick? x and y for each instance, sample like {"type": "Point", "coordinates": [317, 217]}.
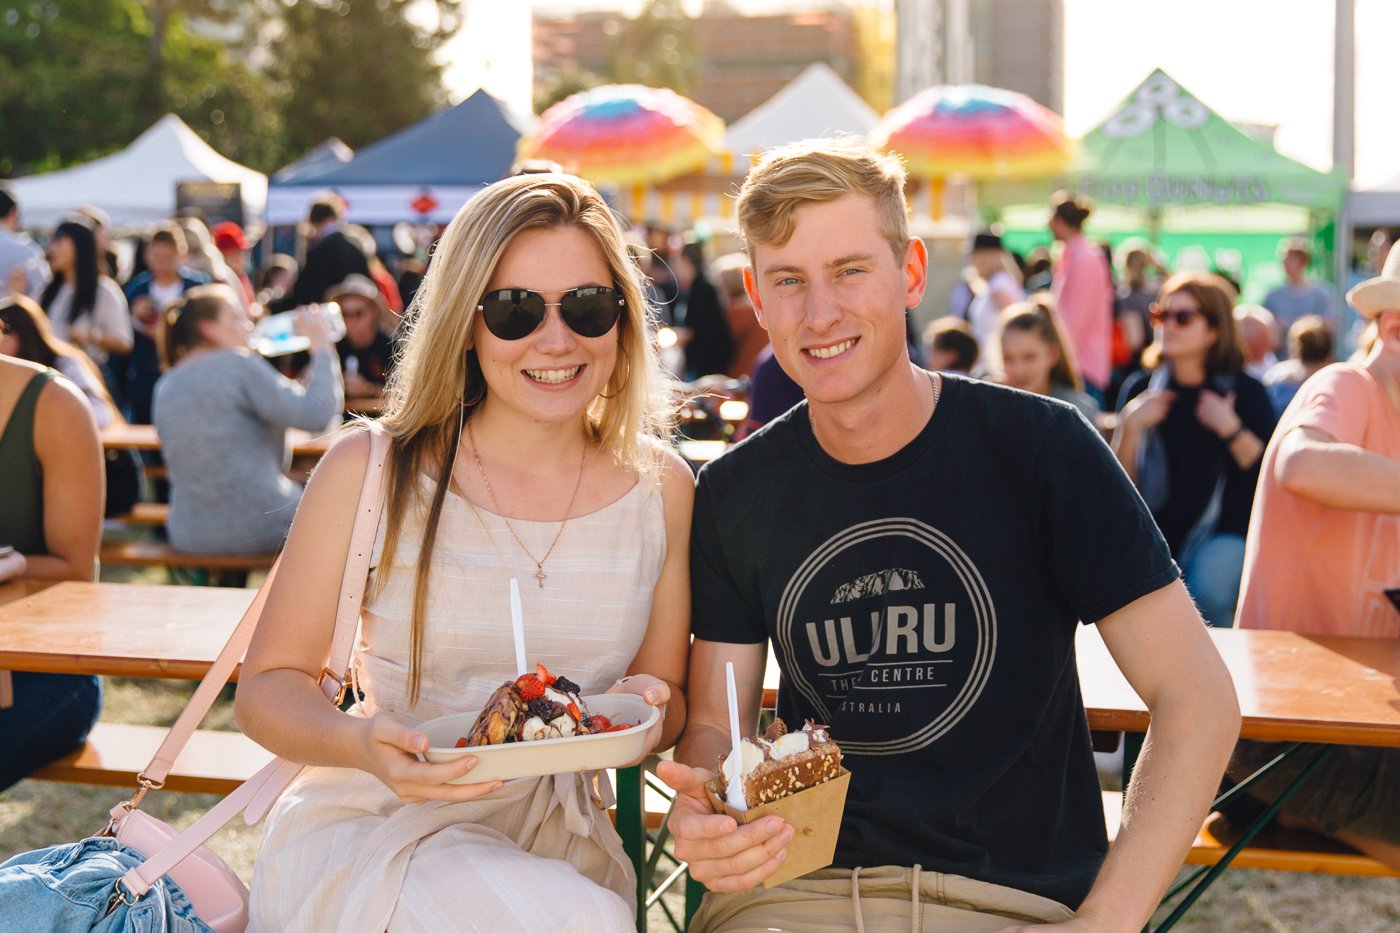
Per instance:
{"type": "Point", "coordinates": [219, 896]}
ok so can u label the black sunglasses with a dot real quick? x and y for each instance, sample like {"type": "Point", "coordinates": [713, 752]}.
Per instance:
{"type": "Point", "coordinates": [513, 313]}
{"type": "Point", "coordinates": [1181, 317]}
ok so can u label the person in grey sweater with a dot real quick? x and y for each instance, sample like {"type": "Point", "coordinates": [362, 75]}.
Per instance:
{"type": "Point", "coordinates": [222, 414]}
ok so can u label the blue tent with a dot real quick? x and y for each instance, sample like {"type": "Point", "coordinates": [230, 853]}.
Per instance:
{"type": "Point", "coordinates": [329, 154]}
{"type": "Point", "coordinates": [424, 172]}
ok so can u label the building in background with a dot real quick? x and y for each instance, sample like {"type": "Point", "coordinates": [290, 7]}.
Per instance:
{"type": "Point", "coordinates": [1013, 44]}
{"type": "Point", "coordinates": [741, 60]}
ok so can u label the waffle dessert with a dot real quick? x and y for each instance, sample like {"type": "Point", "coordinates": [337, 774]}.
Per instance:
{"type": "Point", "coordinates": [779, 762]}
{"type": "Point", "coordinates": [532, 707]}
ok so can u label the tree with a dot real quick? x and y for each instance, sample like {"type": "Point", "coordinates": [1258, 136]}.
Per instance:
{"type": "Point", "coordinates": [567, 82]}
{"type": "Point", "coordinates": [82, 78]}
{"type": "Point", "coordinates": [357, 70]}
{"type": "Point", "coordinates": [659, 49]}
{"type": "Point", "coordinates": [69, 79]}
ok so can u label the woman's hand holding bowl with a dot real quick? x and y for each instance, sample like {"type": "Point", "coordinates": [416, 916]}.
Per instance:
{"type": "Point", "coordinates": [389, 749]}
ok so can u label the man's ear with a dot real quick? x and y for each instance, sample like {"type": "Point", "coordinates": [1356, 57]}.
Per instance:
{"type": "Point", "coordinates": [751, 288]}
{"type": "Point", "coordinates": [915, 271]}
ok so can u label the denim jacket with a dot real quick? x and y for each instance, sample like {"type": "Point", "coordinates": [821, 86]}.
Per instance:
{"type": "Point", "coordinates": [68, 887]}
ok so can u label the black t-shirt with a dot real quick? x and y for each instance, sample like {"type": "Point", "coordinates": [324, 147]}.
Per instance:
{"type": "Point", "coordinates": [1196, 456]}
{"type": "Point", "coordinates": [925, 607]}
{"type": "Point", "coordinates": [375, 361]}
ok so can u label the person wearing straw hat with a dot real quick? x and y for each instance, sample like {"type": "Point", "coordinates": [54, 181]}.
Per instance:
{"type": "Point", "coordinates": [1323, 555]}
{"type": "Point", "coordinates": [920, 549]}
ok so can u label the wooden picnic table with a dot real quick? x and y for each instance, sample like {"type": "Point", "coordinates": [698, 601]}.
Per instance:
{"type": "Point", "coordinates": [1294, 688]}
{"type": "Point", "coordinates": [1291, 687]}
{"type": "Point", "coordinates": [119, 629]}
{"type": "Point", "coordinates": [144, 437]}
{"type": "Point", "coordinates": [1329, 689]}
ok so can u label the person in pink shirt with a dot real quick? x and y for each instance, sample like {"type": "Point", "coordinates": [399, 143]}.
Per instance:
{"type": "Point", "coordinates": [1323, 557]}
{"type": "Point", "coordinates": [1324, 535]}
{"type": "Point", "coordinates": [1083, 290]}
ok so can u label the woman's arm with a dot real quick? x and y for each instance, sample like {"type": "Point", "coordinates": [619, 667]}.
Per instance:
{"type": "Point", "coordinates": [111, 318]}
{"type": "Point", "coordinates": [665, 650]}
{"type": "Point", "coordinates": [282, 401]}
{"type": "Point", "coordinates": [65, 441]}
{"type": "Point", "coordinates": [279, 704]}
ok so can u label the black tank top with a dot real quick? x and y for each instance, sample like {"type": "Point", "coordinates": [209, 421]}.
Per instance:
{"type": "Point", "coordinates": [21, 477]}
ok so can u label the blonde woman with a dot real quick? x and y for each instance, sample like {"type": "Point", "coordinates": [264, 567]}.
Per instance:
{"type": "Point", "coordinates": [526, 427]}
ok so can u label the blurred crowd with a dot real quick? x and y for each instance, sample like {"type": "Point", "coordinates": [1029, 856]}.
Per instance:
{"type": "Point", "coordinates": [1184, 380]}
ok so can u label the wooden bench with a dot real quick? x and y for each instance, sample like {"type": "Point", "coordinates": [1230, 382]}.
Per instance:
{"type": "Point", "coordinates": [115, 753]}
{"type": "Point", "coordinates": [1275, 849]}
{"type": "Point", "coordinates": [146, 514]}
{"type": "Point", "coordinates": [161, 554]}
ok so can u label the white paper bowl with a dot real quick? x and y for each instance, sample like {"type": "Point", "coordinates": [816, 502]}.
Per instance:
{"type": "Point", "coordinates": [547, 756]}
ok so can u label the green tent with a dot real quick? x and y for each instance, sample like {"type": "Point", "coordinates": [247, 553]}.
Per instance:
{"type": "Point", "coordinates": [1167, 168]}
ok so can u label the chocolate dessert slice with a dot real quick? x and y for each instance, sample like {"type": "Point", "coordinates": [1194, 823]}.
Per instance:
{"type": "Point", "coordinates": [780, 762]}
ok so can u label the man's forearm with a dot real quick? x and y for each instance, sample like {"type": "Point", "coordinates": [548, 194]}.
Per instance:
{"type": "Point", "coordinates": [1341, 476]}
{"type": "Point", "coordinates": [1187, 748]}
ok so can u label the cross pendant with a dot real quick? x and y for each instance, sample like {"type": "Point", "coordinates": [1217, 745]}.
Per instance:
{"type": "Point", "coordinates": [539, 575]}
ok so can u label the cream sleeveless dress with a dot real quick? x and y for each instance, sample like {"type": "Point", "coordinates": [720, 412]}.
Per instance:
{"type": "Point", "coordinates": [342, 852]}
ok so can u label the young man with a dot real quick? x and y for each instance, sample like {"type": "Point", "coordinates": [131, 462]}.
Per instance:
{"type": "Point", "coordinates": [1323, 556]}
{"type": "Point", "coordinates": [330, 257]}
{"type": "Point", "coordinates": [23, 268]}
{"type": "Point", "coordinates": [919, 548]}
{"type": "Point", "coordinates": [150, 294]}
{"type": "Point", "coordinates": [1298, 296]}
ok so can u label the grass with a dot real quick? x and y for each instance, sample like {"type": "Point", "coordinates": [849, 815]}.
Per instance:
{"type": "Point", "coordinates": [35, 814]}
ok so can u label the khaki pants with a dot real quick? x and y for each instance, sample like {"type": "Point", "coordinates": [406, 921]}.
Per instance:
{"type": "Point", "coordinates": [825, 901]}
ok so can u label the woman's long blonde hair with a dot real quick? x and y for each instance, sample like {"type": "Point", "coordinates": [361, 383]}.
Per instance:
{"type": "Point", "coordinates": [438, 379]}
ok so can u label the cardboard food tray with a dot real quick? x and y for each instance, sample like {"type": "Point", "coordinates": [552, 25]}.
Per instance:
{"type": "Point", "coordinates": [815, 815]}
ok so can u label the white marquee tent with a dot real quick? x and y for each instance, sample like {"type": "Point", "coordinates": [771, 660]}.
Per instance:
{"type": "Point", "coordinates": [137, 184]}
{"type": "Point", "coordinates": [815, 103]}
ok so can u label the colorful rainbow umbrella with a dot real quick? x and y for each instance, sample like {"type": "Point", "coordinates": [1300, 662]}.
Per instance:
{"type": "Point", "coordinates": [980, 132]}
{"type": "Point", "coordinates": [626, 134]}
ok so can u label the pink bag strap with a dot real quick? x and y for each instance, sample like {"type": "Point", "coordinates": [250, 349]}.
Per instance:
{"type": "Point", "coordinates": [347, 617]}
{"type": "Point", "coordinates": [258, 793]}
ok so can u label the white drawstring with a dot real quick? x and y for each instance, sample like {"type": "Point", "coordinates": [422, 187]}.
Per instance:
{"type": "Point", "coordinates": [855, 898]}
{"type": "Point", "coordinates": [916, 909]}
{"type": "Point", "coordinates": [916, 912]}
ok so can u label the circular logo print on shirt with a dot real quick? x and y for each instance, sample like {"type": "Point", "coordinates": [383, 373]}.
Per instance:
{"type": "Point", "coordinates": [889, 630]}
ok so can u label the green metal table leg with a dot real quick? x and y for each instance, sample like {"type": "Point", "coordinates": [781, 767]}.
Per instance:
{"type": "Point", "coordinates": [694, 890]}
{"type": "Point", "coordinates": [1248, 836]}
{"type": "Point", "coordinates": [631, 826]}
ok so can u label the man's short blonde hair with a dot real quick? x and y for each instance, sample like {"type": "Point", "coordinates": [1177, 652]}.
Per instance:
{"type": "Point", "coordinates": [814, 171]}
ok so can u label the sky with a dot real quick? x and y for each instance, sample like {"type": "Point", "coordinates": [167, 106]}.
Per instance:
{"type": "Point", "coordinates": [1258, 61]}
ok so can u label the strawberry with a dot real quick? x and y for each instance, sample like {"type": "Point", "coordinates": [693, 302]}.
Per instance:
{"type": "Point", "coordinates": [544, 675]}
{"type": "Point", "coordinates": [619, 727]}
{"type": "Point", "coordinates": [574, 711]}
{"type": "Point", "coordinates": [461, 743]}
{"type": "Point", "coordinates": [599, 723]}
{"type": "Point", "coordinates": [530, 688]}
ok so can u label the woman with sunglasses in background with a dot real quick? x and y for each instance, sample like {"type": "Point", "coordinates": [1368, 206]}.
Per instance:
{"type": "Point", "coordinates": [1192, 428]}
{"type": "Point", "coordinates": [527, 429]}
{"type": "Point", "coordinates": [222, 414]}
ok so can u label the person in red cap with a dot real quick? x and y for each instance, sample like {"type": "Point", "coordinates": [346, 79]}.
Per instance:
{"type": "Point", "coordinates": [230, 240]}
